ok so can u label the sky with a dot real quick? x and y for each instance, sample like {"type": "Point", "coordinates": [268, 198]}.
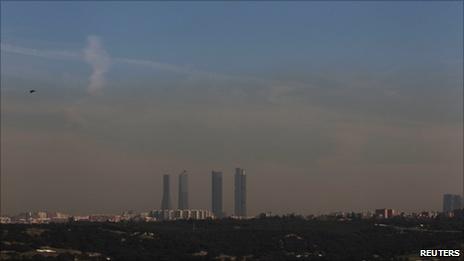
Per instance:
{"type": "Point", "coordinates": [328, 106]}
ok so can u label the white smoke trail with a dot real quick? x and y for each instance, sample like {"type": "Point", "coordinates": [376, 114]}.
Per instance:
{"type": "Point", "coordinates": [98, 58]}
{"type": "Point", "coordinates": [49, 54]}
{"type": "Point", "coordinates": [100, 61]}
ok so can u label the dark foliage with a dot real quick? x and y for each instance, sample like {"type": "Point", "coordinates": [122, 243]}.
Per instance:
{"type": "Point", "coordinates": [276, 238]}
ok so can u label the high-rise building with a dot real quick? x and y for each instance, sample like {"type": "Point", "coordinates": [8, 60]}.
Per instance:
{"type": "Point", "coordinates": [240, 193]}
{"type": "Point", "coordinates": [166, 201]}
{"type": "Point", "coordinates": [447, 202]}
{"type": "Point", "coordinates": [457, 202]}
{"type": "Point", "coordinates": [216, 194]}
{"type": "Point", "coordinates": [183, 190]}
{"type": "Point", "coordinates": [385, 213]}
{"type": "Point", "coordinates": [451, 202]}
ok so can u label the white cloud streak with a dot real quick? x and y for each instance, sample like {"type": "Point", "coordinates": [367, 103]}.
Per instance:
{"type": "Point", "coordinates": [96, 55]}
{"type": "Point", "coordinates": [98, 58]}
{"type": "Point", "coordinates": [48, 54]}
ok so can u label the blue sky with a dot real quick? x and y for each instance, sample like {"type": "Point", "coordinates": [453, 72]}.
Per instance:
{"type": "Point", "coordinates": [358, 98]}
{"type": "Point", "coordinates": [247, 35]}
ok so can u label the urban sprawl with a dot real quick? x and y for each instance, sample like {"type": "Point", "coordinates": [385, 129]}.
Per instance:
{"type": "Point", "coordinates": [452, 207]}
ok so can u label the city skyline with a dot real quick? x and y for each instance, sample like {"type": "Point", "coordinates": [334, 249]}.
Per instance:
{"type": "Point", "coordinates": [329, 106]}
{"type": "Point", "coordinates": [239, 186]}
{"type": "Point", "coordinates": [451, 203]}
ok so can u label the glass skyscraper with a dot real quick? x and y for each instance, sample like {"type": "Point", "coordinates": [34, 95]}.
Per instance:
{"type": "Point", "coordinates": [166, 201]}
{"type": "Point", "coordinates": [183, 190]}
{"type": "Point", "coordinates": [216, 194]}
{"type": "Point", "coordinates": [451, 202]}
{"type": "Point", "coordinates": [240, 193]}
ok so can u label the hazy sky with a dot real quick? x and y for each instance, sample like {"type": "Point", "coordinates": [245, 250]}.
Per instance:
{"type": "Point", "coordinates": [327, 106]}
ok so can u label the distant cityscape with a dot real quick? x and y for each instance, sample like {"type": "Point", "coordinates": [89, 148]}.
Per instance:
{"type": "Point", "coordinates": [452, 206]}
{"type": "Point", "coordinates": [240, 202]}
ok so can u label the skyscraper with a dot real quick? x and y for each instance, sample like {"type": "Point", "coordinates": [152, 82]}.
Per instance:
{"type": "Point", "coordinates": [183, 190]}
{"type": "Point", "coordinates": [166, 201]}
{"type": "Point", "coordinates": [451, 202]}
{"type": "Point", "coordinates": [457, 202]}
{"type": "Point", "coordinates": [240, 193]}
{"type": "Point", "coordinates": [216, 194]}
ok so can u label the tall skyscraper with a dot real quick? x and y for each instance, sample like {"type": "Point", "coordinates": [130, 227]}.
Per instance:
{"type": "Point", "coordinates": [457, 202]}
{"type": "Point", "coordinates": [183, 190]}
{"type": "Point", "coordinates": [216, 194]}
{"type": "Point", "coordinates": [451, 202]}
{"type": "Point", "coordinates": [166, 201]}
{"type": "Point", "coordinates": [240, 193]}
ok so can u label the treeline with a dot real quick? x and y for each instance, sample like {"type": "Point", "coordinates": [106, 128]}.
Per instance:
{"type": "Point", "coordinates": [274, 238]}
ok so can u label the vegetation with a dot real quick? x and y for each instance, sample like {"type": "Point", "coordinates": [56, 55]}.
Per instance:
{"type": "Point", "coordinates": [270, 238]}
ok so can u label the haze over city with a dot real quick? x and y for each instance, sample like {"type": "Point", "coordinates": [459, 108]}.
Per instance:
{"type": "Point", "coordinates": [338, 106]}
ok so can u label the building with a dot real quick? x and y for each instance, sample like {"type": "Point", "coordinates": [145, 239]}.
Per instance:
{"type": "Point", "coordinates": [240, 193]}
{"type": "Point", "coordinates": [99, 218]}
{"type": "Point", "coordinates": [385, 213]}
{"type": "Point", "coordinates": [5, 220]}
{"type": "Point", "coordinates": [81, 218]}
{"type": "Point", "coordinates": [457, 202]}
{"type": "Point", "coordinates": [39, 215]}
{"type": "Point", "coordinates": [451, 202]}
{"type": "Point", "coordinates": [166, 201]}
{"type": "Point", "coordinates": [183, 191]}
{"type": "Point", "coordinates": [216, 193]}
{"type": "Point", "coordinates": [180, 214]}
{"type": "Point", "coordinates": [447, 202]}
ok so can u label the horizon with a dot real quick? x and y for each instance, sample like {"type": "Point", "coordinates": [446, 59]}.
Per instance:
{"type": "Point", "coordinates": [327, 106]}
{"type": "Point", "coordinates": [230, 215]}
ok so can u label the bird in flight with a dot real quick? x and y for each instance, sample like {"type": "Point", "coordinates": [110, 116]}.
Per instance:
{"type": "Point", "coordinates": [31, 91]}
